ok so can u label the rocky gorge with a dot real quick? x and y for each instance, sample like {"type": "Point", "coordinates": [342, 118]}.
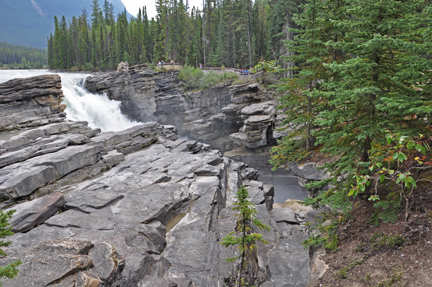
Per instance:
{"type": "Point", "coordinates": [240, 120]}
{"type": "Point", "coordinates": [141, 207]}
{"type": "Point", "coordinates": [226, 115]}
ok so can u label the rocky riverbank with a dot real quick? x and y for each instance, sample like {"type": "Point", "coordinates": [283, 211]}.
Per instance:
{"type": "Point", "coordinates": [133, 208]}
{"type": "Point", "coordinates": [226, 115]}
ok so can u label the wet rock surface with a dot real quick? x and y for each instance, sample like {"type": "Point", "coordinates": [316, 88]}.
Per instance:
{"type": "Point", "coordinates": [92, 209]}
{"type": "Point", "coordinates": [225, 115]}
{"type": "Point", "coordinates": [31, 102]}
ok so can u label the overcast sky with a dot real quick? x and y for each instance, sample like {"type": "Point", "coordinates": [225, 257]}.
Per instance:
{"type": "Point", "coordinates": [133, 5]}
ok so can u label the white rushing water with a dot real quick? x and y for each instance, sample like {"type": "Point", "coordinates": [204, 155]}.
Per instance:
{"type": "Point", "coordinates": [81, 105]}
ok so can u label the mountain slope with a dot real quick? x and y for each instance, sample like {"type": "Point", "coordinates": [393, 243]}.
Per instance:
{"type": "Point", "coordinates": [29, 22]}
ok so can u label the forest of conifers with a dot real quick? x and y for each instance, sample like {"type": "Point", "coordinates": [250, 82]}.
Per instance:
{"type": "Point", "coordinates": [16, 56]}
{"type": "Point", "coordinates": [233, 33]}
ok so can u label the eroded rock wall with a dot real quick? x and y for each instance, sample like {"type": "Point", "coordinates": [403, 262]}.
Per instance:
{"type": "Point", "coordinates": [30, 102]}
{"type": "Point", "coordinates": [133, 208]}
{"type": "Point", "coordinates": [225, 116]}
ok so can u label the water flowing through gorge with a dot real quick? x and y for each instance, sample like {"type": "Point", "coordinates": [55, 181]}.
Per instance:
{"type": "Point", "coordinates": [140, 195]}
{"type": "Point", "coordinates": [101, 112]}
{"type": "Point", "coordinates": [81, 105]}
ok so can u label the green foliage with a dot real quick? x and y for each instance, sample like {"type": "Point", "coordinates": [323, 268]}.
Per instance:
{"type": "Point", "coordinates": [243, 237]}
{"type": "Point", "coordinates": [326, 235]}
{"type": "Point", "coordinates": [10, 270]}
{"type": "Point", "coordinates": [267, 66]}
{"type": "Point", "coordinates": [381, 240]}
{"type": "Point", "coordinates": [190, 76]}
{"type": "Point", "coordinates": [360, 72]}
{"type": "Point", "coordinates": [15, 56]}
{"type": "Point", "coordinates": [230, 33]}
{"type": "Point", "coordinates": [195, 78]}
{"type": "Point", "coordinates": [290, 148]}
{"type": "Point", "coordinates": [343, 272]}
{"type": "Point", "coordinates": [211, 79]}
{"type": "Point", "coordinates": [394, 163]}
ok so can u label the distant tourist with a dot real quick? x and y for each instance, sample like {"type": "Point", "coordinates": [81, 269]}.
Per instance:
{"type": "Point", "coordinates": [200, 66]}
{"type": "Point", "coordinates": [172, 61]}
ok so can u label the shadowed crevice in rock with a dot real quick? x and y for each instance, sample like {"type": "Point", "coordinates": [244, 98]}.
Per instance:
{"type": "Point", "coordinates": [117, 191]}
{"type": "Point", "coordinates": [225, 115]}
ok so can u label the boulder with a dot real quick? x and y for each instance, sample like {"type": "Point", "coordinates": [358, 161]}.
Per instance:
{"type": "Point", "coordinates": [289, 263]}
{"type": "Point", "coordinates": [32, 213]}
{"type": "Point", "coordinates": [283, 215]}
{"type": "Point", "coordinates": [307, 171]}
{"type": "Point", "coordinates": [318, 267]}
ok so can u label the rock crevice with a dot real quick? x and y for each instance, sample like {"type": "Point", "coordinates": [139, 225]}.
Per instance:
{"type": "Point", "coordinates": [225, 115]}
{"type": "Point", "coordinates": [91, 207]}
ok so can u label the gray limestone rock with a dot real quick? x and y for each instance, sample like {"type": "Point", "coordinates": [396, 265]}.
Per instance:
{"type": "Point", "coordinates": [123, 190]}
{"type": "Point", "coordinates": [307, 171]}
{"type": "Point", "coordinates": [281, 214]}
{"type": "Point", "coordinates": [30, 102]}
{"type": "Point", "coordinates": [148, 281]}
{"type": "Point", "coordinates": [318, 267]}
{"type": "Point", "coordinates": [107, 264]}
{"type": "Point", "coordinates": [32, 213]}
{"type": "Point", "coordinates": [50, 261]}
{"type": "Point", "coordinates": [289, 262]}
{"type": "Point", "coordinates": [19, 182]}
{"type": "Point", "coordinates": [204, 115]}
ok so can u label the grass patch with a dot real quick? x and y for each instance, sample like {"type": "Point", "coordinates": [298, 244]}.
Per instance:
{"type": "Point", "coordinates": [244, 81]}
{"type": "Point", "coordinates": [344, 271]}
{"type": "Point", "coordinates": [381, 240]}
{"type": "Point", "coordinates": [194, 78]}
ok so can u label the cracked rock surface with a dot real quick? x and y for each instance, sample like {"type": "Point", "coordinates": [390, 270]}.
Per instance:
{"type": "Point", "coordinates": [133, 208]}
{"type": "Point", "coordinates": [227, 116]}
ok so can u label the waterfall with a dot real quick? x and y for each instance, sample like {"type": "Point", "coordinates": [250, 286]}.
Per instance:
{"type": "Point", "coordinates": [81, 105]}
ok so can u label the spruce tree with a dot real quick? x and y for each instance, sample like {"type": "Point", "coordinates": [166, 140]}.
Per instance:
{"type": "Point", "coordinates": [309, 52]}
{"type": "Point", "coordinates": [245, 240]}
{"type": "Point", "coordinates": [159, 48]}
{"type": "Point", "coordinates": [382, 86]}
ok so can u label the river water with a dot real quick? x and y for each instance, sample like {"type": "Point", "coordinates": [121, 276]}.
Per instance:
{"type": "Point", "coordinates": [81, 105]}
{"type": "Point", "coordinates": [101, 112]}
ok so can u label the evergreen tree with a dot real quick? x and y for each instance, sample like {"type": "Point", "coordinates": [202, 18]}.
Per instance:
{"type": "Point", "coordinates": [95, 13]}
{"type": "Point", "coordinates": [245, 238]}
{"type": "Point", "coordinates": [160, 40]}
{"type": "Point", "coordinates": [383, 86]}
{"type": "Point", "coordinates": [229, 32]}
{"type": "Point", "coordinates": [221, 44]}
{"type": "Point", "coordinates": [309, 52]}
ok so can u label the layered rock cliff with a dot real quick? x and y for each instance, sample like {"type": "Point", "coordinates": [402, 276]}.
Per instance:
{"type": "Point", "coordinates": [133, 208]}
{"type": "Point", "coordinates": [225, 116]}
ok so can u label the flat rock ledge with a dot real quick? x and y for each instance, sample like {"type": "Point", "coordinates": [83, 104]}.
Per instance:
{"type": "Point", "coordinates": [133, 208]}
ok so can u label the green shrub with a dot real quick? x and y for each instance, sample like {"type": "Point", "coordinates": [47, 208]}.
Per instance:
{"type": "Point", "coordinates": [192, 78]}
{"type": "Point", "coordinates": [10, 270]}
{"type": "Point", "coordinates": [209, 80]}
{"type": "Point", "coordinates": [243, 237]}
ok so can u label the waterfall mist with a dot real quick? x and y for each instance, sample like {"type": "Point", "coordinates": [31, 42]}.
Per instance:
{"type": "Point", "coordinates": [81, 105]}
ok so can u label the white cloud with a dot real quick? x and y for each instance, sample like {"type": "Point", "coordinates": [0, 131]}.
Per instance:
{"type": "Point", "coordinates": [133, 5]}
